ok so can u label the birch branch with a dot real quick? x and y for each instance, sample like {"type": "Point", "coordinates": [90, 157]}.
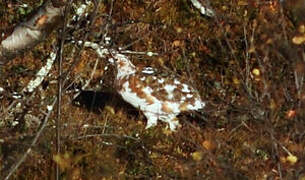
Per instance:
{"type": "Point", "coordinates": [41, 74]}
{"type": "Point", "coordinates": [203, 10]}
{"type": "Point", "coordinates": [30, 33]}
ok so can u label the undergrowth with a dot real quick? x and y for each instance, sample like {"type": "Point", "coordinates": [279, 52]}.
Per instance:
{"type": "Point", "coordinates": [247, 64]}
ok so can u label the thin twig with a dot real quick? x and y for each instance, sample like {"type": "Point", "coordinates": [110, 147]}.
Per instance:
{"type": "Point", "coordinates": [247, 62]}
{"type": "Point", "coordinates": [89, 80]}
{"type": "Point", "coordinates": [275, 146]}
{"type": "Point", "coordinates": [59, 64]}
{"type": "Point", "coordinates": [44, 124]}
{"type": "Point", "coordinates": [107, 135]}
{"type": "Point", "coordinates": [283, 24]}
{"type": "Point", "coordinates": [108, 20]}
{"type": "Point", "coordinates": [77, 56]}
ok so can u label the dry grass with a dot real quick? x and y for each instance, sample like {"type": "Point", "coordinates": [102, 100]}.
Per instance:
{"type": "Point", "coordinates": [244, 64]}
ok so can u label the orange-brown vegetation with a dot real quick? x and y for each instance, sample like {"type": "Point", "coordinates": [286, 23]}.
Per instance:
{"type": "Point", "coordinates": [247, 64]}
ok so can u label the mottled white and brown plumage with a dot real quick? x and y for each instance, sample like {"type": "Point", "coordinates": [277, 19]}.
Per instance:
{"type": "Point", "coordinates": [157, 96]}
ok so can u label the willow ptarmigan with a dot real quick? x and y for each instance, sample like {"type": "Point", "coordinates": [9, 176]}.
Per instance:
{"type": "Point", "coordinates": [158, 97]}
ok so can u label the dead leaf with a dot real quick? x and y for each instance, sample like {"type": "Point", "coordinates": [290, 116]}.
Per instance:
{"type": "Point", "coordinates": [197, 156]}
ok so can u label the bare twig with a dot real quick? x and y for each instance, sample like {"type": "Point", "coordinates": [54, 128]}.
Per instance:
{"type": "Point", "coordinates": [107, 135]}
{"type": "Point", "coordinates": [275, 146]}
{"type": "Point", "coordinates": [102, 51]}
{"type": "Point", "coordinates": [59, 95]}
{"type": "Point", "coordinates": [247, 83]}
{"type": "Point", "coordinates": [108, 20]}
{"type": "Point", "coordinates": [89, 80]}
{"type": "Point", "coordinates": [283, 24]}
{"type": "Point", "coordinates": [25, 155]}
{"type": "Point", "coordinates": [91, 75]}
{"type": "Point", "coordinates": [77, 55]}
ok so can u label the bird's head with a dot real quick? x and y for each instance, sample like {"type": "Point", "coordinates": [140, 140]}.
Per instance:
{"type": "Point", "coordinates": [124, 65]}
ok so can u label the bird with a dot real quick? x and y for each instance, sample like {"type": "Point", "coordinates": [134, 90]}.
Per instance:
{"type": "Point", "coordinates": [158, 96]}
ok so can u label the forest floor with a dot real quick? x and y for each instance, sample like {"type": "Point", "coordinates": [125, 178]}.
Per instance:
{"type": "Point", "coordinates": [246, 63]}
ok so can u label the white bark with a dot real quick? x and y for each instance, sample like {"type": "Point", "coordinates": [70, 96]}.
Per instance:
{"type": "Point", "coordinates": [203, 10]}
{"type": "Point", "coordinates": [28, 34]}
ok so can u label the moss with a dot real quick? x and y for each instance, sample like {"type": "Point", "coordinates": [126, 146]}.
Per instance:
{"type": "Point", "coordinates": [249, 121]}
